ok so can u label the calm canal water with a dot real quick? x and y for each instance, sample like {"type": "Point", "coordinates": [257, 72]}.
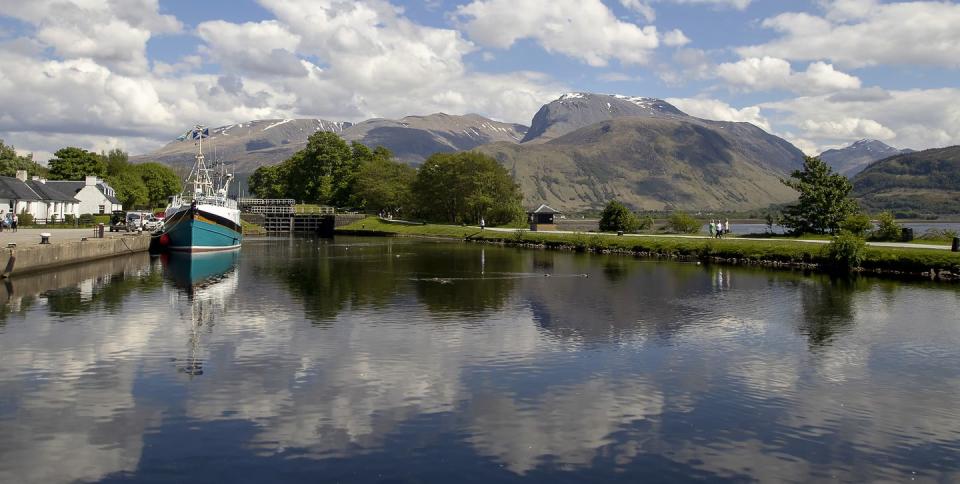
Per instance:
{"type": "Point", "coordinates": [392, 361]}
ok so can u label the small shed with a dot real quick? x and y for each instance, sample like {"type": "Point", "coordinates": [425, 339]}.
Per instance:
{"type": "Point", "coordinates": [542, 218]}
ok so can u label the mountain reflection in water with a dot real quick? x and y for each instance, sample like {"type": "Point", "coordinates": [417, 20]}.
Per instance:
{"type": "Point", "coordinates": [383, 360]}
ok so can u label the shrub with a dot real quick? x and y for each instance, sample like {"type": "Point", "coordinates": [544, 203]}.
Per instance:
{"type": "Point", "coordinates": [887, 227]}
{"type": "Point", "coordinates": [101, 219]}
{"type": "Point", "coordinates": [846, 252]}
{"type": "Point", "coordinates": [645, 223]}
{"type": "Point", "coordinates": [25, 218]}
{"type": "Point", "coordinates": [70, 219]}
{"type": "Point", "coordinates": [857, 224]}
{"type": "Point", "coordinates": [683, 223]}
{"type": "Point", "coordinates": [616, 216]}
{"type": "Point", "coordinates": [86, 218]}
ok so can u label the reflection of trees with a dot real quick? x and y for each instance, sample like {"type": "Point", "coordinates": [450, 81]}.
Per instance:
{"type": "Point", "coordinates": [468, 279]}
{"type": "Point", "coordinates": [827, 307]}
{"type": "Point", "coordinates": [327, 276]}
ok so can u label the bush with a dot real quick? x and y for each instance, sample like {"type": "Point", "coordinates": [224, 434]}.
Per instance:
{"type": "Point", "coordinates": [101, 219]}
{"type": "Point", "coordinates": [86, 218]}
{"type": "Point", "coordinates": [887, 227]}
{"type": "Point", "coordinates": [683, 223]}
{"type": "Point", "coordinates": [646, 223]}
{"type": "Point", "coordinates": [25, 218]}
{"type": "Point", "coordinates": [846, 252]}
{"type": "Point", "coordinates": [70, 219]}
{"type": "Point", "coordinates": [616, 216]}
{"type": "Point", "coordinates": [857, 224]}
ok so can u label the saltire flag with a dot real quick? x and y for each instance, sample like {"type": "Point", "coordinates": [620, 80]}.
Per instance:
{"type": "Point", "coordinates": [188, 133]}
{"type": "Point", "coordinates": [201, 133]}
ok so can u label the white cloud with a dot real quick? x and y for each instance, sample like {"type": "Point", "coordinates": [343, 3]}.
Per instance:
{"type": "Point", "coordinates": [766, 73]}
{"type": "Point", "coordinates": [917, 118]}
{"type": "Point", "coordinates": [863, 33]}
{"type": "Point", "coordinates": [112, 33]}
{"type": "Point", "coordinates": [255, 47]}
{"type": "Point", "coordinates": [641, 7]}
{"type": "Point", "coordinates": [675, 38]}
{"type": "Point", "coordinates": [583, 29]}
{"type": "Point", "coordinates": [720, 111]}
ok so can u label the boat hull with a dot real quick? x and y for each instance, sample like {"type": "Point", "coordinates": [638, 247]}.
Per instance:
{"type": "Point", "coordinates": [202, 229]}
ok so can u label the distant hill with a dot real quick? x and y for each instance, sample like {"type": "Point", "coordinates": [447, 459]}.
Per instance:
{"type": "Point", "coordinates": [923, 182]}
{"type": "Point", "coordinates": [576, 110]}
{"type": "Point", "coordinates": [854, 158]}
{"type": "Point", "coordinates": [654, 163]}
{"type": "Point", "coordinates": [412, 139]}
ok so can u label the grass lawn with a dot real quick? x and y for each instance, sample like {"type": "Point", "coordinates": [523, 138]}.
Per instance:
{"type": "Point", "coordinates": [772, 250]}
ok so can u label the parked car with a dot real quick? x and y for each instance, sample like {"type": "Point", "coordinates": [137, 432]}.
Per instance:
{"type": "Point", "coordinates": [135, 221]}
{"type": "Point", "coordinates": [152, 223]}
{"type": "Point", "coordinates": [118, 221]}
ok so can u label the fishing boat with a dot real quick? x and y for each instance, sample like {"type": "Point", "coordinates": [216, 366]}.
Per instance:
{"type": "Point", "coordinates": [202, 218]}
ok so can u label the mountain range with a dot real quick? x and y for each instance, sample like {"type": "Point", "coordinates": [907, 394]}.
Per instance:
{"type": "Point", "coordinates": [919, 182]}
{"type": "Point", "coordinates": [853, 159]}
{"type": "Point", "coordinates": [581, 151]}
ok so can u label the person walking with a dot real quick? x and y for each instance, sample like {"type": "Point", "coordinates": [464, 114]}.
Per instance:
{"type": "Point", "coordinates": [726, 227]}
{"type": "Point", "coordinates": [16, 221]}
{"type": "Point", "coordinates": [713, 227]}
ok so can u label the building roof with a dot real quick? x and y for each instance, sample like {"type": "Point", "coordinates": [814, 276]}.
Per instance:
{"type": "Point", "coordinates": [73, 187]}
{"type": "Point", "coordinates": [15, 189]}
{"type": "Point", "coordinates": [543, 208]}
{"type": "Point", "coordinates": [51, 192]}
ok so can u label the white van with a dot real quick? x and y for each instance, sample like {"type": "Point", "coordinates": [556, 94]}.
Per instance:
{"type": "Point", "coordinates": [136, 221]}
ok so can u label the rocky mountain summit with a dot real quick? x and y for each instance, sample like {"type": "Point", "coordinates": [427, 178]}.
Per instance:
{"type": "Point", "coordinates": [854, 158]}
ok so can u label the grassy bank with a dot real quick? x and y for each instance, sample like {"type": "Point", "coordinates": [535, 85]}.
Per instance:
{"type": "Point", "coordinates": [779, 253]}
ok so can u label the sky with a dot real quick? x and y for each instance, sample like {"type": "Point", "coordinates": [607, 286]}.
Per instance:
{"type": "Point", "coordinates": [133, 74]}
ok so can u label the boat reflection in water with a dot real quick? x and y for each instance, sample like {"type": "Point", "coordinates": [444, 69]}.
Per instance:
{"type": "Point", "coordinates": [206, 283]}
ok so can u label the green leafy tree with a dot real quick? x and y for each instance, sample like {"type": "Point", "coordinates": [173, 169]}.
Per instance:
{"type": "Point", "coordinates": [116, 159]}
{"type": "Point", "coordinates": [846, 252]}
{"type": "Point", "coordinates": [857, 224]}
{"type": "Point", "coordinates": [10, 162]}
{"type": "Point", "coordinates": [683, 223]}
{"type": "Point", "coordinates": [159, 182]}
{"type": "Point", "coordinates": [616, 216]}
{"type": "Point", "coordinates": [465, 187]}
{"type": "Point", "coordinates": [75, 163]}
{"type": "Point", "coordinates": [824, 199]}
{"type": "Point", "coordinates": [384, 184]}
{"type": "Point", "coordinates": [887, 227]}
{"type": "Point", "coordinates": [269, 182]}
{"type": "Point", "coordinates": [129, 188]}
{"type": "Point", "coordinates": [323, 171]}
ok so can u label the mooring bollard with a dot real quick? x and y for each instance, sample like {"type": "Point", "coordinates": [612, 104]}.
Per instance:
{"type": "Point", "coordinates": [45, 237]}
{"type": "Point", "coordinates": [956, 244]}
{"type": "Point", "coordinates": [99, 231]}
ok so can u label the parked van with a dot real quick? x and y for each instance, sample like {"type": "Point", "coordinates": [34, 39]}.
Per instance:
{"type": "Point", "coordinates": [136, 221]}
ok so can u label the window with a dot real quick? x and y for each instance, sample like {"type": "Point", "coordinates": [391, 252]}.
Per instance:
{"type": "Point", "coordinates": [101, 209]}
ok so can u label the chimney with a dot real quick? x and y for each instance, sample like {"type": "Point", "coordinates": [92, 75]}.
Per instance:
{"type": "Point", "coordinates": [22, 175]}
{"type": "Point", "coordinates": [91, 181]}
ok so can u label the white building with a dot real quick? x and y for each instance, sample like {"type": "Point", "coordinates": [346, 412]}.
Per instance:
{"type": "Point", "coordinates": [44, 202]}
{"type": "Point", "coordinates": [95, 195]}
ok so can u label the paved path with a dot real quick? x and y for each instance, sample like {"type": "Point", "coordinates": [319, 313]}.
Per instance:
{"type": "Point", "coordinates": [25, 237]}
{"type": "Point", "coordinates": [807, 241]}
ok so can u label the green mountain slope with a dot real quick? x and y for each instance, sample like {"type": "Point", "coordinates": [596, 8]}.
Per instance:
{"type": "Point", "coordinates": [653, 163]}
{"type": "Point", "coordinates": [925, 181]}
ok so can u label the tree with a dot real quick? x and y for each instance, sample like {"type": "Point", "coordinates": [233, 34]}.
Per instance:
{"type": "Point", "coordinates": [323, 171]}
{"type": "Point", "coordinates": [159, 182]}
{"type": "Point", "coordinates": [117, 160]}
{"type": "Point", "coordinates": [75, 163]}
{"type": "Point", "coordinates": [857, 224]}
{"type": "Point", "coordinates": [383, 184]}
{"type": "Point", "coordinates": [129, 187]}
{"type": "Point", "coordinates": [683, 223]}
{"type": "Point", "coordinates": [887, 227]}
{"type": "Point", "coordinates": [824, 199]}
{"type": "Point", "coordinates": [466, 187]}
{"type": "Point", "coordinates": [269, 182]}
{"type": "Point", "coordinates": [10, 162]}
{"type": "Point", "coordinates": [616, 216]}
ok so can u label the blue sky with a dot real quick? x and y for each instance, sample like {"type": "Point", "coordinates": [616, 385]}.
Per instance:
{"type": "Point", "coordinates": [131, 74]}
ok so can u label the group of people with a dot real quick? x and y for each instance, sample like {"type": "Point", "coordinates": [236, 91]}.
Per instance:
{"type": "Point", "coordinates": [718, 229]}
{"type": "Point", "coordinates": [9, 221]}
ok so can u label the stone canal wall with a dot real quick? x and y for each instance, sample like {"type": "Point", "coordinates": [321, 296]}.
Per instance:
{"type": "Point", "coordinates": [40, 257]}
